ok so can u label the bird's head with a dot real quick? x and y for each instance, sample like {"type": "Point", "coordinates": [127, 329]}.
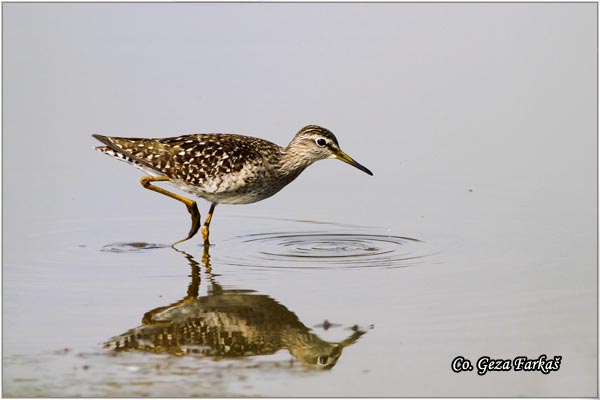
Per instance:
{"type": "Point", "coordinates": [318, 143]}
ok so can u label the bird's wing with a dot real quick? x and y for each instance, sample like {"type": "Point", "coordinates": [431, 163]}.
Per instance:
{"type": "Point", "coordinates": [217, 163]}
{"type": "Point", "coordinates": [205, 161]}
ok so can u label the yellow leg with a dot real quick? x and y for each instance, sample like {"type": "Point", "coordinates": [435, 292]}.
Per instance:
{"type": "Point", "coordinates": [190, 204]}
{"type": "Point", "coordinates": [207, 224]}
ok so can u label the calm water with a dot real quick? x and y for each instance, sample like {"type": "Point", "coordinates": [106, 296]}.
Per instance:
{"type": "Point", "coordinates": [476, 236]}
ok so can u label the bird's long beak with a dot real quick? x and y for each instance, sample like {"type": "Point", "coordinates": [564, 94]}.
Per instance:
{"type": "Point", "coordinates": [340, 155]}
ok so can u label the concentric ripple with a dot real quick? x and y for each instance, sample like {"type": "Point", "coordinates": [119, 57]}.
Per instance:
{"type": "Point", "coordinates": [325, 249]}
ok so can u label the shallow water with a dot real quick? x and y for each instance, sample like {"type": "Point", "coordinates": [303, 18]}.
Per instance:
{"type": "Point", "coordinates": [475, 237]}
{"type": "Point", "coordinates": [220, 316]}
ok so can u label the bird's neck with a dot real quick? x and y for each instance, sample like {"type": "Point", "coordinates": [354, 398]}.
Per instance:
{"type": "Point", "coordinates": [293, 161]}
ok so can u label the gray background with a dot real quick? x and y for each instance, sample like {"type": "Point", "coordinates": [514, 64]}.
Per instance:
{"type": "Point", "coordinates": [478, 121]}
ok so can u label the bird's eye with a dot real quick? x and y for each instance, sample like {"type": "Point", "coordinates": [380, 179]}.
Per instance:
{"type": "Point", "coordinates": [322, 360]}
{"type": "Point", "coordinates": [321, 142]}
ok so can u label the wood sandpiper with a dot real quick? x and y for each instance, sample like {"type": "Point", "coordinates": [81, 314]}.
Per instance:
{"type": "Point", "coordinates": [223, 168]}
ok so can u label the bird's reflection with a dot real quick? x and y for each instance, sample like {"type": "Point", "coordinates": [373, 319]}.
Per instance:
{"type": "Point", "coordinates": [228, 324]}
